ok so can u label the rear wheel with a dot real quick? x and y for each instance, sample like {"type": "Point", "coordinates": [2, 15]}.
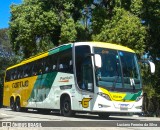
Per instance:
{"type": "Point", "coordinates": [12, 104]}
{"type": "Point", "coordinates": [18, 106]}
{"type": "Point", "coordinates": [66, 107]}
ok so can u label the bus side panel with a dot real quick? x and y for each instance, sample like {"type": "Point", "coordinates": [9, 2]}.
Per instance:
{"type": "Point", "coordinates": [21, 88]}
{"type": "Point", "coordinates": [6, 94]}
{"type": "Point", "coordinates": [41, 90]}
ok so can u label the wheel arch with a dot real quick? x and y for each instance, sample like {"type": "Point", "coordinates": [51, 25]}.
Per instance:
{"type": "Point", "coordinates": [15, 96]}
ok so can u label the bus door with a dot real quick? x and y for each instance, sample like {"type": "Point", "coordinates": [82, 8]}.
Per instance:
{"type": "Point", "coordinates": [87, 85]}
{"type": "Point", "coordinates": [84, 74]}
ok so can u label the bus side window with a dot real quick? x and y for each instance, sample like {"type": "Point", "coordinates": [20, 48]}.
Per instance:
{"type": "Point", "coordinates": [41, 68]}
{"type": "Point", "coordinates": [52, 61]}
{"type": "Point", "coordinates": [12, 75]}
{"type": "Point", "coordinates": [65, 62]}
{"type": "Point", "coordinates": [46, 65]}
{"type": "Point", "coordinates": [15, 74]}
{"type": "Point", "coordinates": [34, 71]}
{"type": "Point", "coordinates": [19, 72]}
{"type": "Point", "coordinates": [8, 75]}
{"type": "Point", "coordinates": [38, 67]}
{"type": "Point", "coordinates": [27, 70]}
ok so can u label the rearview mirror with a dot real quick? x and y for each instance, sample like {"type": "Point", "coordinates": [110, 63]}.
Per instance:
{"type": "Point", "coordinates": [98, 61]}
{"type": "Point", "coordinates": [152, 67]}
{"type": "Point", "coordinates": [151, 64]}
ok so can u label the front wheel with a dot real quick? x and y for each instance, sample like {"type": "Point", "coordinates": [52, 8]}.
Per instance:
{"type": "Point", "coordinates": [66, 107]}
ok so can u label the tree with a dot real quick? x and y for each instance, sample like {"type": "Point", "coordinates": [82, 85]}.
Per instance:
{"type": "Point", "coordinates": [123, 28]}
{"type": "Point", "coordinates": [150, 16]}
{"type": "Point", "coordinates": [7, 57]}
{"type": "Point", "coordinates": [38, 25]}
{"type": "Point", "coordinates": [133, 23]}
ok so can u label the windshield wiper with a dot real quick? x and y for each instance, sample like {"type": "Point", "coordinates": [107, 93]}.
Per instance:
{"type": "Point", "coordinates": [114, 83]}
{"type": "Point", "coordinates": [132, 83]}
{"type": "Point", "coordinates": [116, 78]}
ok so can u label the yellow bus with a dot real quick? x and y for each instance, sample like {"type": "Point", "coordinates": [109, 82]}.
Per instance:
{"type": "Point", "coordinates": [92, 77]}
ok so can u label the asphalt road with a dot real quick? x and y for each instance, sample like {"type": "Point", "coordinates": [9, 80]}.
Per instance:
{"type": "Point", "coordinates": [10, 120]}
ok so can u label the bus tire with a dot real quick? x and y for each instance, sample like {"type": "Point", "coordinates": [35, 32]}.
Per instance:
{"type": "Point", "coordinates": [66, 107]}
{"type": "Point", "coordinates": [104, 115]}
{"type": "Point", "coordinates": [18, 106]}
{"type": "Point", "coordinates": [12, 104]}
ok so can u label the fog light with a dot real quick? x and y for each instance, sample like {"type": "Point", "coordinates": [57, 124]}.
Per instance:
{"type": "Point", "coordinates": [104, 95]}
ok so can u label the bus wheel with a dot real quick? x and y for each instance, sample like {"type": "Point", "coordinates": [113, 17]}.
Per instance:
{"type": "Point", "coordinates": [66, 107]}
{"type": "Point", "coordinates": [18, 107]}
{"type": "Point", "coordinates": [104, 115]}
{"type": "Point", "coordinates": [12, 104]}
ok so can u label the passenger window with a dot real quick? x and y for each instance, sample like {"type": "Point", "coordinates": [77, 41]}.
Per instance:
{"type": "Point", "coordinates": [46, 65]}
{"type": "Point", "coordinates": [27, 70]}
{"type": "Point", "coordinates": [65, 62]}
{"type": "Point", "coordinates": [52, 63]}
{"type": "Point", "coordinates": [20, 72]}
{"type": "Point", "coordinates": [8, 75]}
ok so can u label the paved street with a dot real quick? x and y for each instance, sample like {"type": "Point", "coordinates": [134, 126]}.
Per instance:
{"type": "Point", "coordinates": [79, 121]}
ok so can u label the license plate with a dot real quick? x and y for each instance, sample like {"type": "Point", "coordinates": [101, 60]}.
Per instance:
{"type": "Point", "coordinates": [123, 106]}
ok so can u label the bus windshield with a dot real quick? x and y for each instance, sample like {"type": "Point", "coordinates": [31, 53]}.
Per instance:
{"type": "Point", "coordinates": [119, 70]}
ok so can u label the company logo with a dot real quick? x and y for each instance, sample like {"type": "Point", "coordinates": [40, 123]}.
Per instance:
{"type": "Point", "coordinates": [85, 102]}
{"type": "Point", "coordinates": [65, 79]}
{"type": "Point", "coordinates": [20, 84]}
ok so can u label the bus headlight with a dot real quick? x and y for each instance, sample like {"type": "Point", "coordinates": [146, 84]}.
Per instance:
{"type": "Point", "coordinates": [104, 95]}
{"type": "Point", "coordinates": [139, 98]}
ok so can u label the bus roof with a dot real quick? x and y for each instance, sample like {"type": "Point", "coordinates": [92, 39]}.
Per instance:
{"type": "Point", "coordinates": [66, 46]}
{"type": "Point", "coordinates": [44, 54]}
{"type": "Point", "coordinates": [106, 45]}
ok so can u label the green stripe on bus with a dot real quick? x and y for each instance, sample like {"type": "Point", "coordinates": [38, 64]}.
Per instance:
{"type": "Point", "coordinates": [131, 96]}
{"type": "Point", "coordinates": [62, 48]}
{"type": "Point", "coordinates": [42, 86]}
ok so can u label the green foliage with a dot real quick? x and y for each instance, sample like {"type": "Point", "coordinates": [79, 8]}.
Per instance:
{"type": "Point", "coordinates": [38, 25]}
{"type": "Point", "coordinates": [136, 7]}
{"type": "Point", "coordinates": [7, 57]}
{"type": "Point", "coordinates": [151, 16]}
{"type": "Point", "coordinates": [68, 31]}
{"type": "Point", "coordinates": [30, 23]}
{"type": "Point", "coordinates": [124, 28]}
